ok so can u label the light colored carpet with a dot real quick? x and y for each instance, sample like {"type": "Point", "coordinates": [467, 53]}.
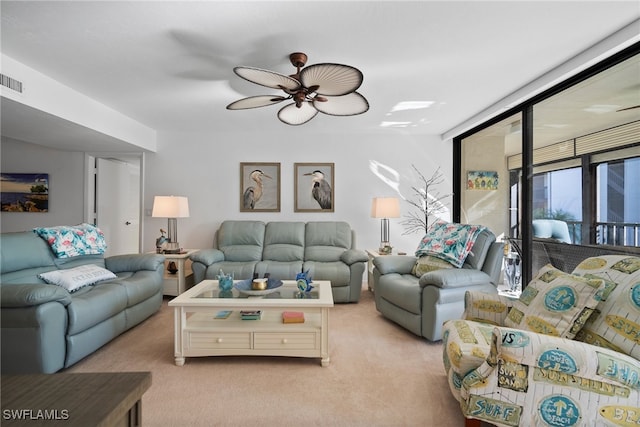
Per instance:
{"type": "Point", "coordinates": [379, 375]}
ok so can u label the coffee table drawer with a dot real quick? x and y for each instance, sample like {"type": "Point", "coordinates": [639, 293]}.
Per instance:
{"type": "Point", "coordinates": [288, 340]}
{"type": "Point", "coordinates": [218, 340]}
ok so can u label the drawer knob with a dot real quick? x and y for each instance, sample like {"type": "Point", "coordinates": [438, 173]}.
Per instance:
{"type": "Point", "coordinates": [284, 341]}
{"type": "Point", "coordinates": [219, 340]}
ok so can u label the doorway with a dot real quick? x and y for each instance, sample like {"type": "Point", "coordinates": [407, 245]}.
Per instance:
{"type": "Point", "coordinates": [114, 197]}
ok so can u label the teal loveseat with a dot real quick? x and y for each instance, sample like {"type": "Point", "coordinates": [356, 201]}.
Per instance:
{"type": "Point", "coordinates": [327, 249]}
{"type": "Point", "coordinates": [46, 328]}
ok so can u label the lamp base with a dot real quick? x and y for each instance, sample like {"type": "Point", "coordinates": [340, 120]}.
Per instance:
{"type": "Point", "coordinates": [172, 248]}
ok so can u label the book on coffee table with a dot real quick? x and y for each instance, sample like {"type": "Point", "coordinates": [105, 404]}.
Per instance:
{"type": "Point", "coordinates": [292, 317]}
{"type": "Point", "coordinates": [250, 314]}
{"type": "Point", "coordinates": [223, 314]}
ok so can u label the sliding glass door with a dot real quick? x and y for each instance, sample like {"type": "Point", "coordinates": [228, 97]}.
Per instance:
{"type": "Point", "coordinates": [570, 158]}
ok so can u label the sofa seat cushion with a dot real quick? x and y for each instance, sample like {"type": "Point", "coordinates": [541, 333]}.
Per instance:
{"type": "Point", "coordinates": [139, 285]}
{"type": "Point", "coordinates": [401, 290]}
{"type": "Point", "coordinates": [465, 346]}
{"type": "Point", "coordinates": [337, 272]}
{"type": "Point", "coordinates": [94, 304]}
{"type": "Point", "coordinates": [279, 270]}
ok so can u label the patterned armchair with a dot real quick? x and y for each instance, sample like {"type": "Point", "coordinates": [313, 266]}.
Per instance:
{"type": "Point", "coordinates": [552, 357]}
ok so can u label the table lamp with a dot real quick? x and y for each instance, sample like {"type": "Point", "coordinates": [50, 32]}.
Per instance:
{"type": "Point", "coordinates": [171, 207]}
{"type": "Point", "coordinates": [385, 208]}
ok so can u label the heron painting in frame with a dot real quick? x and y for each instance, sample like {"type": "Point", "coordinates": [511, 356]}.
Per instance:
{"type": "Point", "coordinates": [314, 187]}
{"type": "Point", "coordinates": [259, 187]}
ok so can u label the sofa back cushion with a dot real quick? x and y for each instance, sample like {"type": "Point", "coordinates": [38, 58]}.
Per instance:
{"type": "Point", "coordinates": [326, 241]}
{"type": "Point", "coordinates": [22, 251]}
{"type": "Point", "coordinates": [475, 259]}
{"type": "Point", "coordinates": [284, 241]}
{"type": "Point", "coordinates": [241, 240]}
{"type": "Point", "coordinates": [616, 321]}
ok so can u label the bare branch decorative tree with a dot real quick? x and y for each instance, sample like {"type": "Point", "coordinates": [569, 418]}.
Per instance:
{"type": "Point", "coordinates": [427, 201]}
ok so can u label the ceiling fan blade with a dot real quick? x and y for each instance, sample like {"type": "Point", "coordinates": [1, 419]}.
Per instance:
{"type": "Point", "coordinates": [331, 79]}
{"type": "Point", "coordinates": [267, 78]}
{"type": "Point", "coordinates": [255, 102]}
{"type": "Point", "coordinates": [295, 116]}
{"type": "Point", "coordinates": [345, 105]}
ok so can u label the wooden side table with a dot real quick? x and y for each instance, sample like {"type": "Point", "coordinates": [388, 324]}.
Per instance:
{"type": "Point", "coordinates": [178, 282]}
{"type": "Point", "coordinates": [80, 399]}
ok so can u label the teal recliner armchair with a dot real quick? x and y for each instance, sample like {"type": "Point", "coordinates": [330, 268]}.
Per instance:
{"type": "Point", "coordinates": [327, 249]}
{"type": "Point", "coordinates": [422, 304]}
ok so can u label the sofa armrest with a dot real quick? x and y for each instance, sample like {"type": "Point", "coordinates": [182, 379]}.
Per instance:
{"type": "Point", "coordinates": [17, 295]}
{"type": "Point", "coordinates": [400, 264]}
{"type": "Point", "coordinates": [207, 256]}
{"type": "Point", "coordinates": [133, 262]}
{"type": "Point", "coordinates": [352, 256]}
{"type": "Point", "coordinates": [454, 278]}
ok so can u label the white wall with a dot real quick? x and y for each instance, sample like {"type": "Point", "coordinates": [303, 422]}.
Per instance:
{"type": "Point", "coordinates": [66, 184]}
{"type": "Point", "coordinates": [206, 169]}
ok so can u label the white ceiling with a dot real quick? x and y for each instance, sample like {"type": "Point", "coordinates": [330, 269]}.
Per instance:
{"type": "Point", "coordinates": [168, 64]}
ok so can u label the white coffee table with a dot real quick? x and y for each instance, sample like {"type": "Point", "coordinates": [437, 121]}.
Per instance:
{"type": "Point", "coordinates": [198, 333]}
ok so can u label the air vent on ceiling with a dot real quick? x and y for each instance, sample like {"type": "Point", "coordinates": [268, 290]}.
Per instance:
{"type": "Point", "coordinates": [11, 83]}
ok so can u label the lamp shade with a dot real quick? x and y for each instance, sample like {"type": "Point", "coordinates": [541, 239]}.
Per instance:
{"type": "Point", "coordinates": [170, 207]}
{"type": "Point", "coordinates": [385, 207]}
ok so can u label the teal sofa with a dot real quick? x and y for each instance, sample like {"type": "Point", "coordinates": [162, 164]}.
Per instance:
{"type": "Point", "coordinates": [45, 328]}
{"type": "Point", "coordinates": [327, 249]}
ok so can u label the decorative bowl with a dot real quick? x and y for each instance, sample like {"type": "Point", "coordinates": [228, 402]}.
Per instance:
{"type": "Point", "coordinates": [245, 287]}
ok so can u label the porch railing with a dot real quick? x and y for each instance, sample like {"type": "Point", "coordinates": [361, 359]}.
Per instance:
{"type": "Point", "coordinates": [609, 233]}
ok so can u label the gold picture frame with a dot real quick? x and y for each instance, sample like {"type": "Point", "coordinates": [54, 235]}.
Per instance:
{"type": "Point", "coordinates": [314, 187]}
{"type": "Point", "coordinates": [263, 185]}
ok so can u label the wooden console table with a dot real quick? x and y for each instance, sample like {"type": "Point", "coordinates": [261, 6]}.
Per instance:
{"type": "Point", "coordinates": [82, 399]}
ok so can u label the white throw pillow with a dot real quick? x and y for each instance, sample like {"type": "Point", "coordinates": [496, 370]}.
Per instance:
{"type": "Point", "coordinates": [75, 278]}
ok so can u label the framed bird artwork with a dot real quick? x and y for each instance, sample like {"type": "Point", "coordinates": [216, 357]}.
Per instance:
{"type": "Point", "coordinates": [314, 187]}
{"type": "Point", "coordinates": [259, 187]}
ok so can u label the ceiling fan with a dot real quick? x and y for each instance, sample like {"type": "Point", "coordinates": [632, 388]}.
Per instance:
{"type": "Point", "coordinates": [326, 88]}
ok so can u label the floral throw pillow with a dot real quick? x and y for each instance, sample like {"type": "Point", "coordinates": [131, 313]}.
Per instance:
{"type": "Point", "coordinates": [449, 242]}
{"type": "Point", "coordinates": [555, 303]}
{"type": "Point", "coordinates": [70, 241]}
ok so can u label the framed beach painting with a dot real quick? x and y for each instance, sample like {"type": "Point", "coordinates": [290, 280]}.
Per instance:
{"type": "Point", "coordinates": [482, 180]}
{"type": "Point", "coordinates": [24, 192]}
{"type": "Point", "coordinates": [259, 187]}
{"type": "Point", "coordinates": [314, 187]}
